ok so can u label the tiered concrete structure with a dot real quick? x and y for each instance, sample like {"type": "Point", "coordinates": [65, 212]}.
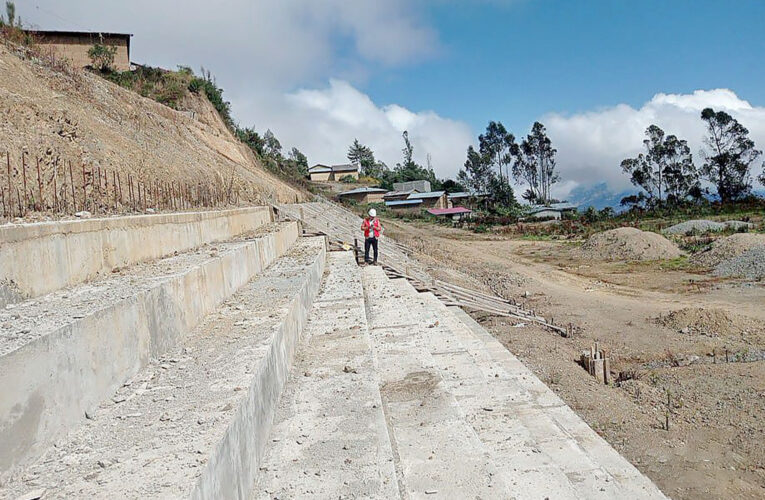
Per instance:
{"type": "Point", "coordinates": [265, 367]}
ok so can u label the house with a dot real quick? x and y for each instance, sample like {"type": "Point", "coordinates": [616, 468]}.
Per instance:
{"type": "Point", "coordinates": [422, 186]}
{"type": "Point", "coordinates": [364, 195]}
{"type": "Point", "coordinates": [454, 213]}
{"type": "Point", "coordinates": [398, 195]}
{"type": "Point", "coordinates": [347, 169]}
{"type": "Point", "coordinates": [552, 211]}
{"type": "Point", "coordinates": [415, 200]}
{"type": "Point", "coordinates": [463, 198]}
{"type": "Point", "coordinates": [408, 205]}
{"type": "Point", "coordinates": [321, 172]}
{"type": "Point", "coordinates": [74, 46]}
{"type": "Point", "coordinates": [434, 199]}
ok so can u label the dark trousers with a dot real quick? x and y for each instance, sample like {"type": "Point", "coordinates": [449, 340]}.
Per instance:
{"type": "Point", "coordinates": [370, 242]}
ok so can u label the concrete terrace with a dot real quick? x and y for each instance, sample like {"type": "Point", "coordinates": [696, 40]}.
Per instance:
{"type": "Point", "coordinates": [232, 355]}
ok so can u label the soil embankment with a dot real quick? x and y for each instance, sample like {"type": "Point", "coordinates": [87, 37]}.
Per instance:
{"type": "Point", "coordinates": [61, 117]}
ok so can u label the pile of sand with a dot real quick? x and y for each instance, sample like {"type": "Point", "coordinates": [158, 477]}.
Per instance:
{"type": "Point", "coordinates": [628, 243]}
{"type": "Point", "coordinates": [712, 322]}
{"type": "Point", "coordinates": [728, 248]}
{"type": "Point", "coordinates": [701, 226]}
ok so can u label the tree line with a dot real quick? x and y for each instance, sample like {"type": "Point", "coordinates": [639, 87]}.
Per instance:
{"type": "Point", "coordinates": [668, 175]}
{"type": "Point", "coordinates": [487, 171]}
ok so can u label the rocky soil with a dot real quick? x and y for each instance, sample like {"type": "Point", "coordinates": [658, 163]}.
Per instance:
{"type": "Point", "coordinates": [628, 244]}
{"type": "Point", "coordinates": [79, 117]}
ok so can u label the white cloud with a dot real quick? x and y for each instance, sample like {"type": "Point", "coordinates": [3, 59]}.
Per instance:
{"type": "Point", "coordinates": [591, 145]}
{"type": "Point", "coordinates": [325, 121]}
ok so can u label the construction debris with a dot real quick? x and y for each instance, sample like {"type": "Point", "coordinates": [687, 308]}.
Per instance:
{"type": "Point", "coordinates": [597, 364]}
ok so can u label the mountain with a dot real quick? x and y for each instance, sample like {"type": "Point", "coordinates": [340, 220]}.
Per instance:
{"type": "Point", "coordinates": [598, 196]}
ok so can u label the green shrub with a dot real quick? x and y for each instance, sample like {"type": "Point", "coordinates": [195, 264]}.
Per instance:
{"type": "Point", "coordinates": [348, 179]}
{"type": "Point", "coordinates": [102, 57]}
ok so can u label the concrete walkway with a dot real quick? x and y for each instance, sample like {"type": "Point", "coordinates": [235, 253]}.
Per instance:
{"type": "Point", "coordinates": [416, 400]}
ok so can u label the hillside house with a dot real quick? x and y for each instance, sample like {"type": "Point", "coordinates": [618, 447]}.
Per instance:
{"type": "Point", "coordinates": [417, 201]}
{"type": "Point", "coordinates": [321, 172]}
{"type": "Point", "coordinates": [433, 199]}
{"type": "Point", "coordinates": [364, 195]}
{"type": "Point", "coordinates": [74, 46]}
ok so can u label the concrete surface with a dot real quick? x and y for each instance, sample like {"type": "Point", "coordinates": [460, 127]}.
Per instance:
{"type": "Point", "coordinates": [329, 438]}
{"type": "Point", "coordinates": [193, 424]}
{"type": "Point", "coordinates": [71, 252]}
{"type": "Point", "coordinates": [52, 376]}
{"type": "Point", "coordinates": [534, 445]}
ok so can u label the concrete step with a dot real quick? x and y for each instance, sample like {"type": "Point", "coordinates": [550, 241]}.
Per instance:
{"type": "Point", "coordinates": [329, 438]}
{"type": "Point", "coordinates": [540, 446]}
{"type": "Point", "coordinates": [42, 257]}
{"type": "Point", "coordinates": [438, 454]}
{"type": "Point", "coordinates": [194, 423]}
{"type": "Point", "coordinates": [63, 353]}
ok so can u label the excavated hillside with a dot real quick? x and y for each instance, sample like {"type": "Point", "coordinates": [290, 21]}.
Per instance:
{"type": "Point", "coordinates": [79, 117]}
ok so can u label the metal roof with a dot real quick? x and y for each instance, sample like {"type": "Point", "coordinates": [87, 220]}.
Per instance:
{"type": "Point", "coordinates": [402, 202]}
{"type": "Point", "coordinates": [391, 194]}
{"type": "Point", "coordinates": [320, 168]}
{"type": "Point", "coordinates": [555, 207]}
{"type": "Point", "coordinates": [432, 194]}
{"type": "Point", "coordinates": [346, 167]}
{"type": "Point", "coordinates": [362, 190]}
{"type": "Point", "coordinates": [76, 33]}
{"type": "Point", "coordinates": [449, 211]}
{"type": "Point", "coordinates": [460, 194]}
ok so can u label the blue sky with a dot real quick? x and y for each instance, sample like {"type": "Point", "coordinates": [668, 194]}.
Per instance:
{"type": "Point", "coordinates": [323, 73]}
{"type": "Point", "coordinates": [517, 60]}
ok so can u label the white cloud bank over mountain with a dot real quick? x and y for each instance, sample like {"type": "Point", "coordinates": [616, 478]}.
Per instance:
{"type": "Point", "coordinates": [591, 145]}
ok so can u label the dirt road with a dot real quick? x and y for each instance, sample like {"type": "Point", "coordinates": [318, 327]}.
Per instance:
{"type": "Point", "coordinates": [667, 329]}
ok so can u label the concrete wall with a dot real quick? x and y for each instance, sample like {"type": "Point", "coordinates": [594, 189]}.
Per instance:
{"type": "Point", "coordinates": [49, 383]}
{"type": "Point", "coordinates": [321, 176]}
{"type": "Point", "coordinates": [75, 48]}
{"type": "Point", "coordinates": [233, 468]}
{"type": "Point", "coordinates": [40, 258]}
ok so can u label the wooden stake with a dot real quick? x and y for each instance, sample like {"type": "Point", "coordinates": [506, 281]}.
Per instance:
{"type": "Point", "coordinates": [24, 176]}
{"type": "Point", "coordinates": [71, 179]}
{"type": "Point", "coordinates": [39, 187]}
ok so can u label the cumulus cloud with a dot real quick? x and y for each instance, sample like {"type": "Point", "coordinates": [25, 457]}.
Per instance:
{"type": "Point", "coordinates": [293, 66]}
{"type": "Point", "coordinates": [325, 121]}
{"type": "Point", "coordinates": [591, 145]}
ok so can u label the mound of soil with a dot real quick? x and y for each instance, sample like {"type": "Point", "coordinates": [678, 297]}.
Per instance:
{"type": "Point", "coordinates": [728, 248]}
{"type": "Point", "coordinates": [628, 243]}
{"type": "Point", "coordinates": [701, 226]}
{"type": "Point", "coordinates": [711, 322]}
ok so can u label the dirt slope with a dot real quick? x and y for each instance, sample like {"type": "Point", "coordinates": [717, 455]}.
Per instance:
{"type": "Point", "coordinates": [82, 117]}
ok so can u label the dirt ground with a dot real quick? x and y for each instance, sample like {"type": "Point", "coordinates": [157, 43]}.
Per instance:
{"type": "Point", "coordinates": [667, 326]}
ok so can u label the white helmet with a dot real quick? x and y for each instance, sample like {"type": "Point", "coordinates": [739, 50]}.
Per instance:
{"type": "Point", "coordinates": [372, 212]}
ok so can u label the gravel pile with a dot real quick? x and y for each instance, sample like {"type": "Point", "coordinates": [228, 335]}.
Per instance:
{"type": "Point", "coordinates": [749, 265]}
{"type": "Point", "coordinates": [728, 248]}
{"type": "Point", "coordinates": [706, 226]}
{"type": "Point", "coordinates": [629, 244]}
{"type": "Point", "coordinates": [712, 322]}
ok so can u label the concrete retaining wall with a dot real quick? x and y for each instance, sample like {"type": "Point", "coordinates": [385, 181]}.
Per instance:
{"type": "Point", "coordinates": [39, 258]}
{"type": "Point", "coordinates": [49, 383]}
{"type": "Point", "coordinates": [233, 466]}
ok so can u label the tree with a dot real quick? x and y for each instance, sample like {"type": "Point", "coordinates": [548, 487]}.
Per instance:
{"type": "Point", "coordinates": [535, 165]}
{"type": "Point", "coordinates": [359, 154]}
{"type": "Point", "coordinates": [497, 145]}
{"type": "Point", "coordinates": [477, 173]}
{"type": "Point", "coordinates": [272, 148]}
{"type": "Point", "coordinates": [251, 139]}
{"type": "Point", "coordinates": [728, 156]}
{"type": "Point", "coordinates": [666, 170]}
{"type": "Point", "coordinates": [10, 12]}
{"type": "Point", "coordinates": [299, 160]}
{"type": "Point", "coordinates": [452, 186]}
{"type": "Point", "coordinates": [408, 151]}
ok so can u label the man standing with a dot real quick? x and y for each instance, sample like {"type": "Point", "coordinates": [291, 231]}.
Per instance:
{"type": "Point", "coordinates": [372, 230]}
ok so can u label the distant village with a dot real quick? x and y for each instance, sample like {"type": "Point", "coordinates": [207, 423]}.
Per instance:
{"type": "Point", "coordinates": [417, 196]}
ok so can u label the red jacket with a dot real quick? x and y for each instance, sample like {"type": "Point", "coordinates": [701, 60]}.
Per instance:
{"type": "Point", "coordinates": [373, 225]}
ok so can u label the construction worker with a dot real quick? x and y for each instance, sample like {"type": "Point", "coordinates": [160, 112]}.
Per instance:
{"type": "Point", "coordinates": [372, 228]}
